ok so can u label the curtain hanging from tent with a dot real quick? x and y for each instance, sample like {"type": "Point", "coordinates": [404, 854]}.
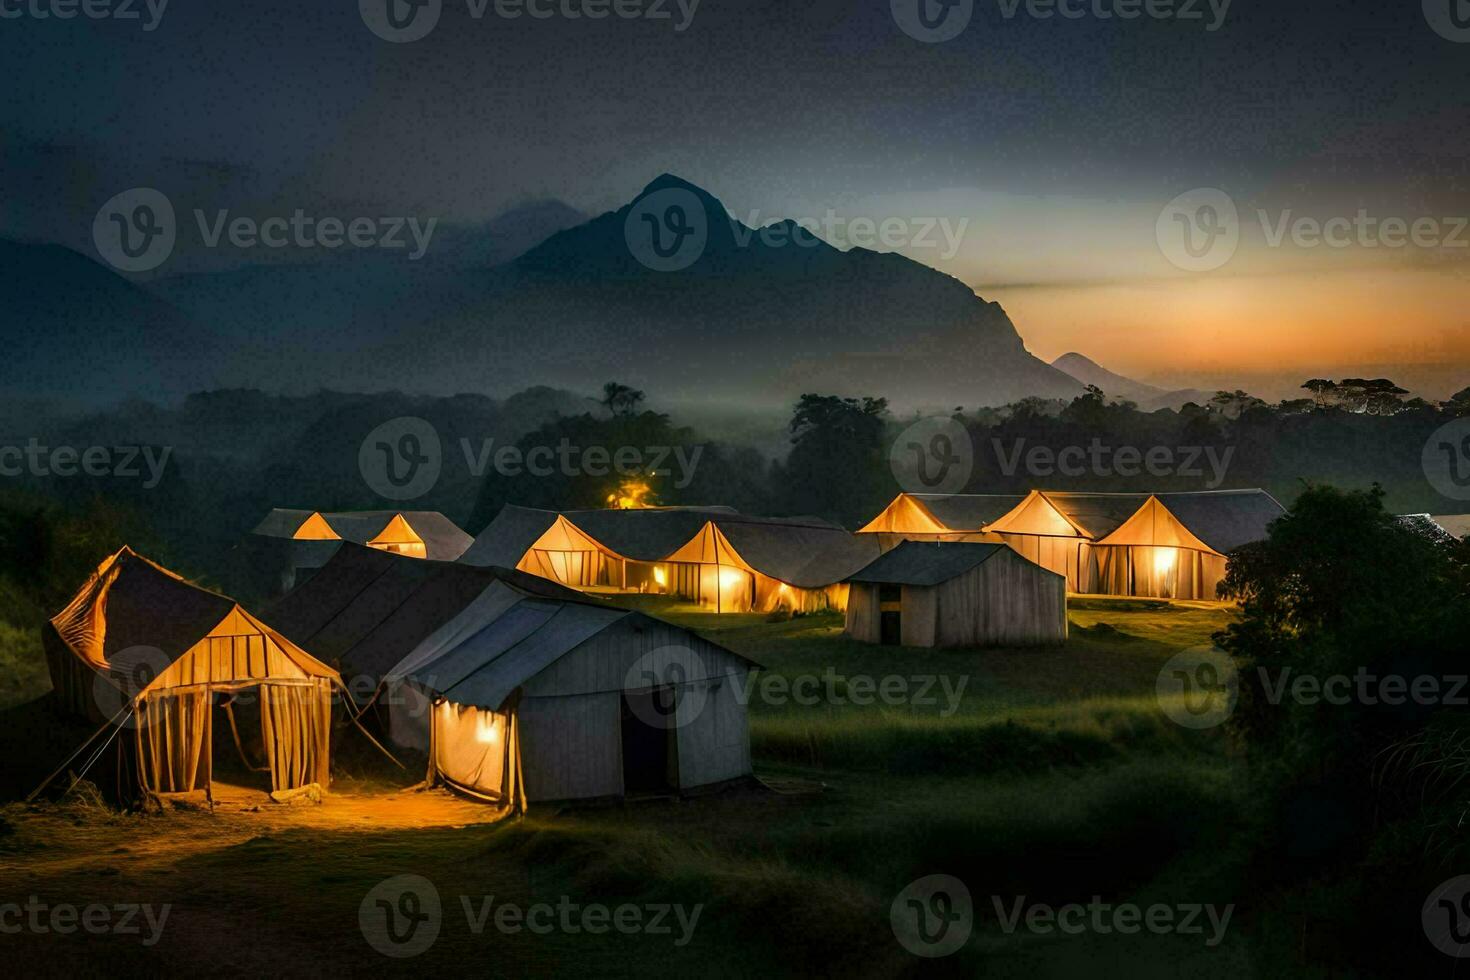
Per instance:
{"type": "Point", "coordinates": [296, 722]}
{"type": "Point", "coordinates": [173, 741]}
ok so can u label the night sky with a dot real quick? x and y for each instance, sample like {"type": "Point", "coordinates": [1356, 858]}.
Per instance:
{"type": "Point", "coordinates": [1057, 140]}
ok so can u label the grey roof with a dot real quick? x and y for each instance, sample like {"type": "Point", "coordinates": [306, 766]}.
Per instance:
{"type": "Point", "coordinates": [1225, 519]}
{"type": "Point", "coordinates": [804, 555]}
{"type": "Point", "coordinates": [804, 551]}
{"type": "Point", "coordinates": [366, 609]}
{"type": "Point", "coordinates": [485, 667]}
{"type": "Point", "coordinates": [927, 563]}
{"type": "Point", "coordinates": [968, 511]}
{"type": "Point", "coordinates": [443, 539]}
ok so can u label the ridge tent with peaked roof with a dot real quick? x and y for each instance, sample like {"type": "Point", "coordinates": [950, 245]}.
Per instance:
{"type": "Point", "coordinates": [711, 555]}
{"type": "Point", "coordinates": [1176, 545]}
{"type": "Point", "coordinates": [948, 594]}
{"type": "Point", "coordinates": [140, 648]}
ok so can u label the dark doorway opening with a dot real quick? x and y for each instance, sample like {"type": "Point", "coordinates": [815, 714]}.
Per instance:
{"type": "Point", "coordinates": [238, 743]}
{"type": "Point", "coordinates": [650, 743]}
{"type": "Point", "coordinates": [890, 615]}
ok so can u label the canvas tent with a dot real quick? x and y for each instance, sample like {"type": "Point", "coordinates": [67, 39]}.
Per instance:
{"type": "Point", "coordinates": [416, 533]}
{"type": "Point", "coordinates": [516, 687]}
{"type": "Point", "coordinates": [522, 698]}
{"type": "Point", "coordinates": [288, 545]}
{"type": "Point", "coordinates": [1175, 545]}
{"type": "Point", "coordinates": [712, 555]}
{"type": "Point", "coordinates": [947, 594]}
{"type": "Point", "coordinates": [145, 652]}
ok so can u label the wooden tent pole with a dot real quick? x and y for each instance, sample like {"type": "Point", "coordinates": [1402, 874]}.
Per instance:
{"type": "Point", "coordinates": [369, 734]}
{"type": "Point", "coordinates": [80, 749]}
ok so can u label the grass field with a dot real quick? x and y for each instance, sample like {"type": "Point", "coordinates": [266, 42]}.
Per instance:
{"type": "Point", "coordinates": [1048, 773]}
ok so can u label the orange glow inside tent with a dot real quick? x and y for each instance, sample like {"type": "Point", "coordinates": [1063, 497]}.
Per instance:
{"type": "Point", "coordinates": [400, 539]}
{"type": "Point", "coordinates": [567, 554]}
{"type": "Point", "coordinates": [905, 515]}
{"type": "Point", "coordinates": [1154, 526]}
{"type": "Point", "coordinates": [731, 585]}
{"type": "Point", "coordinates": [315, 528]}
{"type": "Point", "coordinates": [1037, 515]}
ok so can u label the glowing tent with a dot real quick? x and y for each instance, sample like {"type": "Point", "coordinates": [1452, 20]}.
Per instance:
{"type": "Point", "coordinates": [159, 660]}
{"type": "Point", "coordinates": [1154, 554]}
{"type": "Point", "coordinates": [946, 594]}
{"type": "Point", "coordinates": [522, 698]}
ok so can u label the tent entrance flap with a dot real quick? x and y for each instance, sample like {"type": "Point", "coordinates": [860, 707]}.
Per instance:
{"type": "Point", "coordinates": [478, 751]}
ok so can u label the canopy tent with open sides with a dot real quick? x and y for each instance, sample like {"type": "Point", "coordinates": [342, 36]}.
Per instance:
{"type": "Point", "coordinates": [150, 656]}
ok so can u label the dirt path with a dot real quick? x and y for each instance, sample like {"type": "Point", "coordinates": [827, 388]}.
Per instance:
{"type": "Point", "coordinates": [45, 839]}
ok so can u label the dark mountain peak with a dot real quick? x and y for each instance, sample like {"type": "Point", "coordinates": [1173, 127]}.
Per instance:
{"type": "Point", "coordinates": [667, 181]}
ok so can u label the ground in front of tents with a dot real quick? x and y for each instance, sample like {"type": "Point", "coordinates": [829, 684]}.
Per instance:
{"type": "Point", "coordinates": [1046, 773]}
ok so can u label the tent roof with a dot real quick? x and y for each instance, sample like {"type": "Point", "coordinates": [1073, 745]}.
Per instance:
{"type": "Point", "coordinates": [802, 555]}
{"type": "Point", "coordinates": [967, 512]}
{"type": "Point", "coordinates": [925, 563]}
{"type": "Point", "coordinates": [1225, 519]}
{"type": "Point", "coordinates": [443, 539]}
{"type": "Point", "coordinates": [366, 607]}
{"type": "Point", "coordinates": [482, 656]}
{"type": "Point", "coordinates": [1153, 526]}
{"type": "Point", "coordinates": [131, 603]}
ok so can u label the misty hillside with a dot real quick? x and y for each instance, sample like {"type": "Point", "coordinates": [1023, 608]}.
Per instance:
{"type": "Point", "coordinates": [1147, 397]}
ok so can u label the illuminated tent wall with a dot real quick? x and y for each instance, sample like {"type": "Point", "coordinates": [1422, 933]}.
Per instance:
{"type": "Point", "coordinates": [1153, 554]}
{"type": "Point", "coordinates": [738, 565]}
{"type": "Point", "coordinates": [523, 698]}
{"type": "Point", "coordinates": [945, 594]}
{"type": "Point", "coordinates": [138, 642]}
{"type": "Point", "coordinates": [1064, 531]}
{"type": "Point", "coordinates": [727, 561]}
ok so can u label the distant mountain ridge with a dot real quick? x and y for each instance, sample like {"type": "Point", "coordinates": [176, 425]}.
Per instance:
{"type": "Point", "coordinates": [1147, 397]}
{"type": "Point", "coordinates": [755, 319]}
